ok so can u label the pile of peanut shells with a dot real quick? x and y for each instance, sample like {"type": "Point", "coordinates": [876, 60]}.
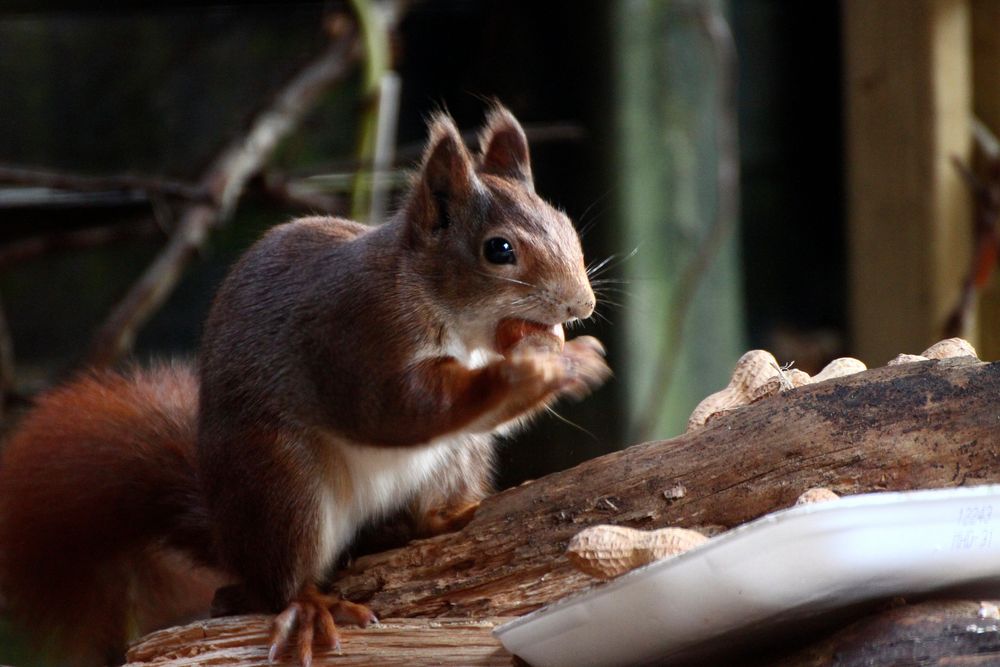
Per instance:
{"type": "Point", "coordinates": [757, 376]}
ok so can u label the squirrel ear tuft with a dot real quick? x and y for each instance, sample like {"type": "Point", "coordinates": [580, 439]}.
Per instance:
{"type": "Point", "coordinates": [447, 176]}
{"type": "Point", "coordinates": [447, 166]}
{"type": "Point", "coordinates": [504, 147]}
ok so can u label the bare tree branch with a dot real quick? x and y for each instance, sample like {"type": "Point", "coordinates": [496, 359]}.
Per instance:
{"type": "Point", "coordinates": [281, 190]}
{"type": "Point", "coordinates": [225, 180]}
{"type": "Point", "coordinates": [77, 239]}
{"type": "Point", "coordinates": [57, 180]}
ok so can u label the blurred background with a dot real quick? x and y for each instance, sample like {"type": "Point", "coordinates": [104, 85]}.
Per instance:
{"type": "Point", "coordinates": [806, 177]}
{"type": "Point", "coordinates": [755, 173]}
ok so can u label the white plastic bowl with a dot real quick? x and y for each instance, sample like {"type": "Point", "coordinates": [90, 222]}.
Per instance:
{"type": "Point", "coordinates": [801, 561]}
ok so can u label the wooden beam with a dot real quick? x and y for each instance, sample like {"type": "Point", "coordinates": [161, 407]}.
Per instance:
{"type": "Point", "coordinates": [908, 96]}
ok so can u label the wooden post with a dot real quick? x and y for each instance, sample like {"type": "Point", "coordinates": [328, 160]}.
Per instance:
{"type": "Point", "coordinates": [986, 103]}
{"type": "Point", "coordinates": [908, 105]}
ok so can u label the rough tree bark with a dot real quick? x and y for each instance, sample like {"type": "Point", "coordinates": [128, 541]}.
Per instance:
{"type": "Point", "coordinates": [922, 425]}
{"type": "Point", "coordinates": [934, 633]}
{"type": "Point", "coordinates": [243, 640]}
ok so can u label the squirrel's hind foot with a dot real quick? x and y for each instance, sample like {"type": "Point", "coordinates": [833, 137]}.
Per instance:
{"type": "Point", "coordinates": [311, 616]}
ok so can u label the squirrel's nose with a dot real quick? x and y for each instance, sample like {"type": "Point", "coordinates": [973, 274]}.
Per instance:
{"type": "Point", "coordinates": [582, 306]}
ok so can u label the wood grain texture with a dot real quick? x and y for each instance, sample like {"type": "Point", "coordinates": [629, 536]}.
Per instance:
{"type": "Point", "coordinates": [923, 425]}
{"type": "Point", "coordinates": [243, 640]}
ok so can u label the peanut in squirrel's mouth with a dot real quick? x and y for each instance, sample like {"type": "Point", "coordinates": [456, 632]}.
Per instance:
{"type": "Point", "coordinates": [511, 331]}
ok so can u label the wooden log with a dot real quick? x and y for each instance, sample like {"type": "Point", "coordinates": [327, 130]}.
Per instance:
{"type": "Point", "coordinates": [921, 425]}
{"type": "Point", "coordinates": [243, 640]}
{"type": "Point", "coordinates": [933, 633]}
{"type": "Point", "coordinates": [930, 633]}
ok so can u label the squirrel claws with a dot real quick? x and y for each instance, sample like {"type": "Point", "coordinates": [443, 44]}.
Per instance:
{"type": "Point", "coordinates": [311, 616]}
{"type": "Point", "coordinates": [350, 612]}
{"type": "Point", "coordinates": [589, 342]}
{"type": "Point", "coordinates": [307, 629]}
{"type": "Point", "coordinates": [448, 519]}
{"type": "Point", "coordinates": [586, 368]}
{"type": "Point", "coordinates": [281, 630]}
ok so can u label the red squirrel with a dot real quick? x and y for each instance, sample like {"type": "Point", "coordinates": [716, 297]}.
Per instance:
{"type": "Point", "coordinates": [345, 372]}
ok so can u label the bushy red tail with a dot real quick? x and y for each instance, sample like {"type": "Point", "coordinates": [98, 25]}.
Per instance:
{"type": "Point", "coordinates": [98, 495]}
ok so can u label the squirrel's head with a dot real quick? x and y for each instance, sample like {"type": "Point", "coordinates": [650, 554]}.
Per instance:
{"type": "Point", "coordinates": [492, 247]}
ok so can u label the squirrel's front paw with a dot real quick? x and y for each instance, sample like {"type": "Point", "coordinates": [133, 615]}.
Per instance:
{"type": "Point", "coordinates": [576, 371]}
{"type": "Point", "coordinates": [586, 366]}
{"type": "Point", "coordinates": [534, 373]}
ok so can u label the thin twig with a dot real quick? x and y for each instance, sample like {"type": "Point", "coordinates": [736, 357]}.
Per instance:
{"type": "Point", "coordinates": [25, 249]}
{"type": "Point", "coordinates": [225, 180]}
{"type": "Point", "coordinates": [279, 189]}
{"type": "Point", "coordinates": [723, 226]}
{"type": "Point", "coordinates": [57, 180]}
{"type": "Point", "coordinates": [157, 193]}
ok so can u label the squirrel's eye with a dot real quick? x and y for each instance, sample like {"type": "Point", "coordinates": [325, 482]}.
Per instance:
{"type": "Point", "coordinates": [499, 251]}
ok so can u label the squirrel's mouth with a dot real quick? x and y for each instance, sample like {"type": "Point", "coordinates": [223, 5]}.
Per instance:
{"type": "Point", "coordinates": [513, 330]}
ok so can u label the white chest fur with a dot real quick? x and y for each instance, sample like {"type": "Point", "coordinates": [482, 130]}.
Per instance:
{"type": "Point", "coordinates": [379, 481]}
